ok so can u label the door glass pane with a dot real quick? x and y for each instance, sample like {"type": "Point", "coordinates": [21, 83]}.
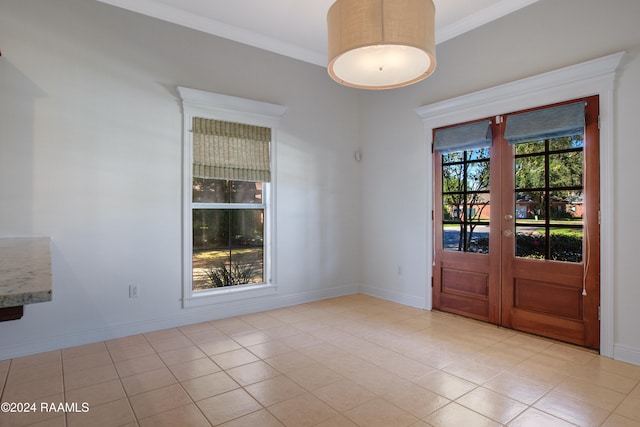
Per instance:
{"type": "Point", "coordinates": [566, 207]}
{"type": "Point", "coordinates": [530, 207]}
{"type": "Point", "coordinates": [452, 237]}
{"type": "Point", "coordinates": [530, 242]}
{"type": "Point", "coordinates": [563, 143]}
{"type": "Point", "coordinates": [478, 176]}
{"type": "Point", "coordinates": [478, 154]}
{"type": "Point", "coordinates": [566, 244]}
{"type": "Point", "coordinates": [530, 147]}
{"type": "Point", "coordinates": [530, 172]}
{"type": "Point", "coordinates": [452, 178]}
{"type": "Point", "coordinates": [565, 169]}
{"type": "Point", "coordinates": [478, 238]}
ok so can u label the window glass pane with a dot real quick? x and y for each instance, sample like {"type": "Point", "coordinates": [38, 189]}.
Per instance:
{"type": "Point", "coordinates": [566, 244]}
{"type": "Point", "coordinates": [478, 238]}
{"type": "Point", "coordinates": [530, 207]}
{"type": "Point", "coordinates": [478, 154]}
{"type": "Point", "coordinates": [530, 242]}
{"type": "Point", "coordinates": [565, 169]}
{"type": "Point", "coordinates": [478, 176]}
{"type": "Point", "coordinates": [477, 207]}
{"type": "Point", "coordinates": [530, 147]}
{"type": "Point", "coordinates": [452, 237]}
{"type": "Point", "coordinates": [228, 247]}
{"type": "Point", "coordinates": [565, 142]}
{"type": "Point", "coordinates": [246, 192]}
{"type": "Point", "coordinates": [530, 172]}
{"type": "Point", "coordinates": [224, 191]}
{"type": "Point", "coordinates": [210, 190]}
{"type": "Point", "coordinates": [452, 178]}
{"type": "Point", "coordinates": [455, 156]}
{"type": "Point", "coordinates": [566, 207]}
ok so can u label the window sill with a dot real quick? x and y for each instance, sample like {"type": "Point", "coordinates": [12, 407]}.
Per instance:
{"type": "Point", "coordinates": [228, 294]}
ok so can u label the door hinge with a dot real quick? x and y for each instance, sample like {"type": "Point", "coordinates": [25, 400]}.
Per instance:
{"type": "Point", "coordinates": [599, 216]}
{"type": "Point", "coordinates": [598, 121]}
{"type": "Point", "coordinates": [599, 313]}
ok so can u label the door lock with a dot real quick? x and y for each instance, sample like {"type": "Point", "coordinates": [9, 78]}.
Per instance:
{"type": "Point", "coordinates": [508, 233]}
{"type": "Point", "coordinates": [508, 217]}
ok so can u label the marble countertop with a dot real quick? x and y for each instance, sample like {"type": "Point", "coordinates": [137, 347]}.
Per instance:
{"type": "Point", "coordinates": [25, 271]}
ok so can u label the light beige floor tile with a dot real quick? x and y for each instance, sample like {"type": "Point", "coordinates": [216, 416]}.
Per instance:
{"type": "Point", "coordinates": [194, 368]}
{"type": "Point", "coordinates": [301, 411]}
{"type": "Point", "coordinates": [181, 355]}
{"type": "Point", "coordinates": [219, 345]}
{"type": "Point", "coordinates": [379, 412]}
{"type": "Point", "coordinates": [252, 338]}
{"type": "Point", "coordinates": [31, 390]}
{"type": "Point", "coordinates": [571, 409]}
{"type": "Point", "coordinates": [232, 359]}
{"type": "Point", "coordinates": [274, 390]}
{"type": "Point", "coordinates": [492, 405]}
{"type": "Point", "coordinates": [188, 415]}
{"type": "Point", "coordinates": [445, 384]}
{"type": "Point", "coordinates": [626, 370]}
{"type": "Point", "coordinates": [120, 352]}
{"type": "Point", "coordinates": [139, 365]}
{"type": "Point", "coordinates": [146, 381]}
{"type": "Point", "coordinates": [301, 341]}
{"type": "Point", "coordinates": [616, 420]}
{"type": "Point", "coordinates": [171, 343]}
{"type": "Point", "coordinates": [209, 385]}
{"type": "Point", "coordinates": [416, 400]}
{"type": "Point", "coordinates": [116, 413]}
{"type": "Point", "coordinates": [517, 387]}
{"type": "Point", "coordinates": [57, 421]}
{"type": "Point", "coordinates": [37, 359]}
{"type": "Point", "coordinates": [80, 362]}
{"type": "Point", "coordinates": [337, 421]}
{"type": "Point", "coordinates": [457, 415]}
{"type": "Point", "coordinates": [279, 332]}
{"type": "Point", "coordinates": [630, 408]}
{"type": "Point", "coordinates": [202, 335]}
{"type": "Point", "coordinates": [472, 371]}
{"type": "Point", "coordinates": [535, 418]}
{"type": "Point", "coordinates": [599, 396]}
{"type": "Point", "coordinates": [291, 361]}
{"type": "Point", "coordinates": [344, 395]}
{"type": "Point", "coordinates": [228, 406]}
{"type": "Point", "coordinates": [261, 321]}
{"type": "Point", "coordinates": [32, 373]}
{"type": "Point", "coordinates": [163, 334]}
{"type": "Point", "coordinates": [261, 418]}
{"type": "Point", "coordinates": [312, 378]}
{"type": "Point", "coordinates": [233, 326]}
{"type": "Point", "coordinates": [252, 373]}
{"type": "Point", "coordinates": [97, 394]}
{"type": "Point", "coordinates": [159, 400]}
{"type": "Point", "coordinates": [269, 349]}
{"type": "Point", "coordinates": [89, 376]}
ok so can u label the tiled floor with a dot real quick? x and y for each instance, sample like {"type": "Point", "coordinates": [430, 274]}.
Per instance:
{"type": "Point", "coordinates": [355, 360]}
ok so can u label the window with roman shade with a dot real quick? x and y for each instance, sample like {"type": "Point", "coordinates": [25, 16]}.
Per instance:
{"type": "Point", "coordinates": [231, 151]}
{"type": "Point", "coordinates": [463, 137]}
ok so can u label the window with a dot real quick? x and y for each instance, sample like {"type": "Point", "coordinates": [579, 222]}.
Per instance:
{"type": "Point", "coordinates": [228, 197]}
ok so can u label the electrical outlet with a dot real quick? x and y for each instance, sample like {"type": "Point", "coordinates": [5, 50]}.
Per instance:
{"type": "Point", "coordinates": [133, 291]}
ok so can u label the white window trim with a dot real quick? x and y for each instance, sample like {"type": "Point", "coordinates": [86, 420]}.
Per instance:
{"type": "Point", "coordinates": [198, 103]}
{"type": "Point", "coordinates": [595, 77]}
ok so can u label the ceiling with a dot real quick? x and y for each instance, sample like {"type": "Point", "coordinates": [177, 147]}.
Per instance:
{"type": "Point", "coordinates": [297, 28]}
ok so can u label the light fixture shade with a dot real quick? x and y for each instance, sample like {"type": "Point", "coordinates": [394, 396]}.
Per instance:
{"type": "Point", "coordinates": [381, 44]}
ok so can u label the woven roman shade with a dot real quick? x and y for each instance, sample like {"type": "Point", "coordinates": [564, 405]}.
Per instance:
{"type": "Point", "coordinates": [233, 151]}
{"type": "Point", "coordinates": [463, 137]}
{"type": "Point", "coordinates": [552, 122]}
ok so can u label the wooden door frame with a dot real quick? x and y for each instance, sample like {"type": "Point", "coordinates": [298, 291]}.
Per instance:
{"type": "Point", "coordinates": [595, 77]}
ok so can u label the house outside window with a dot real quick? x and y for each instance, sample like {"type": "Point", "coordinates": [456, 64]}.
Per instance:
{"type": "Point", "coordinates": [228, 197]}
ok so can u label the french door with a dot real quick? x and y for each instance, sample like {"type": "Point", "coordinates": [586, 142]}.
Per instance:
{"type": "Point", "coordinates": [516, 233]}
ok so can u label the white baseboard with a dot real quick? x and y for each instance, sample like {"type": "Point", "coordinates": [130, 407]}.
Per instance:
{"type": "Point", "coordinates": [394, 296]}
{"type": "Point", "coordinates": [626, 354]}
{"type": "Point", "coordinates": [186, 317]}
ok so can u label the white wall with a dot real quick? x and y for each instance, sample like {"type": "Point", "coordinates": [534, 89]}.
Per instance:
{"type": "Point", "coordinates": [90, 155]}
{"type": "Point", "coordinates": [545, 36]}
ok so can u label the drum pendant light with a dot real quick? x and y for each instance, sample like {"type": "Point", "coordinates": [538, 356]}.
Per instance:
{"type": "Point", "coordinates": [381, 44]}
